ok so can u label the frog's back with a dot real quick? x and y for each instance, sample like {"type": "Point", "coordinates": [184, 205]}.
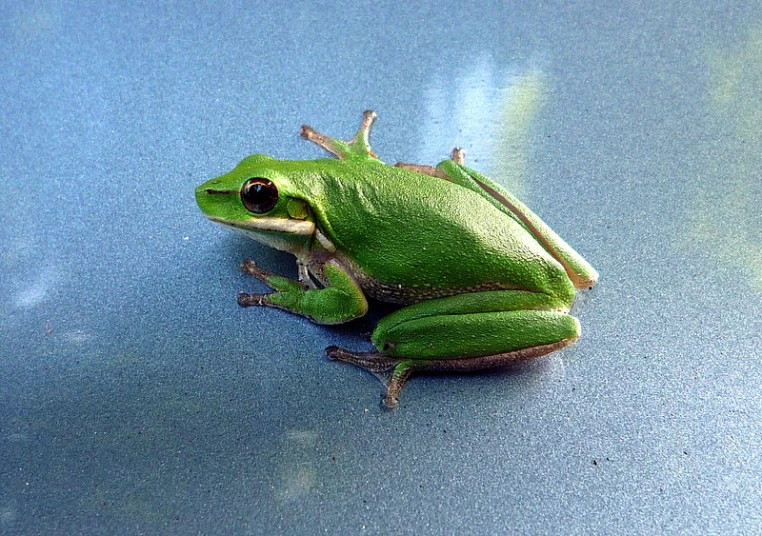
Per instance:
{"type": "Point", "coordinates": [409, 236]}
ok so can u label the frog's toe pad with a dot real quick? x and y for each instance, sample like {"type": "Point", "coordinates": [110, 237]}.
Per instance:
{"type": "Point", "coordinates": [250, 267]}
{"type": "Point", "coordinates": [333, 352]}
{"type": "Point", "coordinates": [389, 402]}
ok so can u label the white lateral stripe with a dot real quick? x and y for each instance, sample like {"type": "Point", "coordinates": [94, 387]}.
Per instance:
{"type": "Point", "coordinates": [277, 225]}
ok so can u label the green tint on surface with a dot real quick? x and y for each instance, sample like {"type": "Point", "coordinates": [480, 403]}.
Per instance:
{"type": "Point", "coordinates": [726, 215]}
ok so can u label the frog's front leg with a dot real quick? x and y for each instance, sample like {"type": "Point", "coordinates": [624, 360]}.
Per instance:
{"type": "Point", "coordinates": [473, 331]}
{"type": "Point", "coordinates": [357, 148]}
{"type": "Point", "coordinates": [341, 300]}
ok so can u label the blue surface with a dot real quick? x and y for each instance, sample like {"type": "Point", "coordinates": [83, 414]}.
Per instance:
{"type": "Point", "coordinates": [137, 398]}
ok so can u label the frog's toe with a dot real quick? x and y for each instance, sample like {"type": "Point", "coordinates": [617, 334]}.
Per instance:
{"type": "Point", "coordinates": [371, 361]}
{"type": "Point", "coordinates": [391, 372]}
{"type": "Point", "coordinates": [251, 300]}
{"type": "Point", "coordinates": [395, 383]}
{"type": "Point", "coordinates": [250, 267]}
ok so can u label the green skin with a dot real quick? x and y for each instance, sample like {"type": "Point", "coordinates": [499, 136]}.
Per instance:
{"type": "Point", "coordinates": [488, 282]}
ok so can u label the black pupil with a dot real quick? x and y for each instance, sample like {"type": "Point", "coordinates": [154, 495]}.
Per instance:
{"type": "Point", "coordinates": [259, 195]}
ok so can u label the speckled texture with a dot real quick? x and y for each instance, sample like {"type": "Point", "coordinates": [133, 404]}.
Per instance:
{"type": "Point", "coordinates": [137, 398]}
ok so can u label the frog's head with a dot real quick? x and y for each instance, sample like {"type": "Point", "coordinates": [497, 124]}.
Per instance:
{"type": "Point", "coordinates": [260, 199]}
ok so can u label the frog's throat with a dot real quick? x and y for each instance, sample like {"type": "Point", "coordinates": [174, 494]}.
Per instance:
{"type": "Point", "coordinates": [274, 225]}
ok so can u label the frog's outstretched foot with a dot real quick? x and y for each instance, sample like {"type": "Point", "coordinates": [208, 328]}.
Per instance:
{"type": "Point", "coordinates": [270, 279]}
{"type": "Point", "coordinates": [357, 147]}
{"type": "Point", "coordinates": [392, 372]}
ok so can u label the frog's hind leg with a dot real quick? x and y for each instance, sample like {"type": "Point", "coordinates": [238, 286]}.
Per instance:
{"type": "Point", "coordinates": [422, 168]}
{"type": "Point", "coordinates": [456, 156]}
{"type": "Point", "coordinates": [357, 147]}
{"type": "Point", "coordinates": [393, 373]}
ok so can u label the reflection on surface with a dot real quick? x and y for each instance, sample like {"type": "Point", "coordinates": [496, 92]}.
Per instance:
{"type": "Point", "coordinates": [726, 220]}
{"type": "Point", "coordinates": [297, 471]}
{"type": "Point", "coordinates": [520, 106]}
{"type": "Point", "coordinates": [34, 291]}
{"type": "Point", "coordinates": [489, 112]}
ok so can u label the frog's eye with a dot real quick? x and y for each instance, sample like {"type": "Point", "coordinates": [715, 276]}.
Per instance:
{"type": "Point", "coordinates": [259, 195]}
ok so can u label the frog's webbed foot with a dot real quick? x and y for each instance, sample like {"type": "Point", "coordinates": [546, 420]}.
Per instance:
{"type": "Point", "coordinates": [357, 147]}
{"type": "Point", "coordinates": [392, 372]}
{"type": "Point", "coordinates": [456, 156]}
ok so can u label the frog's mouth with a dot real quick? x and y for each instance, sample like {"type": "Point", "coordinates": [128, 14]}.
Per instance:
{"type": "Point", "coordinates": [271, 225]}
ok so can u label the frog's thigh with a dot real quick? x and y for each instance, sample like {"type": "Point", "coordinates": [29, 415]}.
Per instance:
{"type": "Point", "coordinates": [461, 329]}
